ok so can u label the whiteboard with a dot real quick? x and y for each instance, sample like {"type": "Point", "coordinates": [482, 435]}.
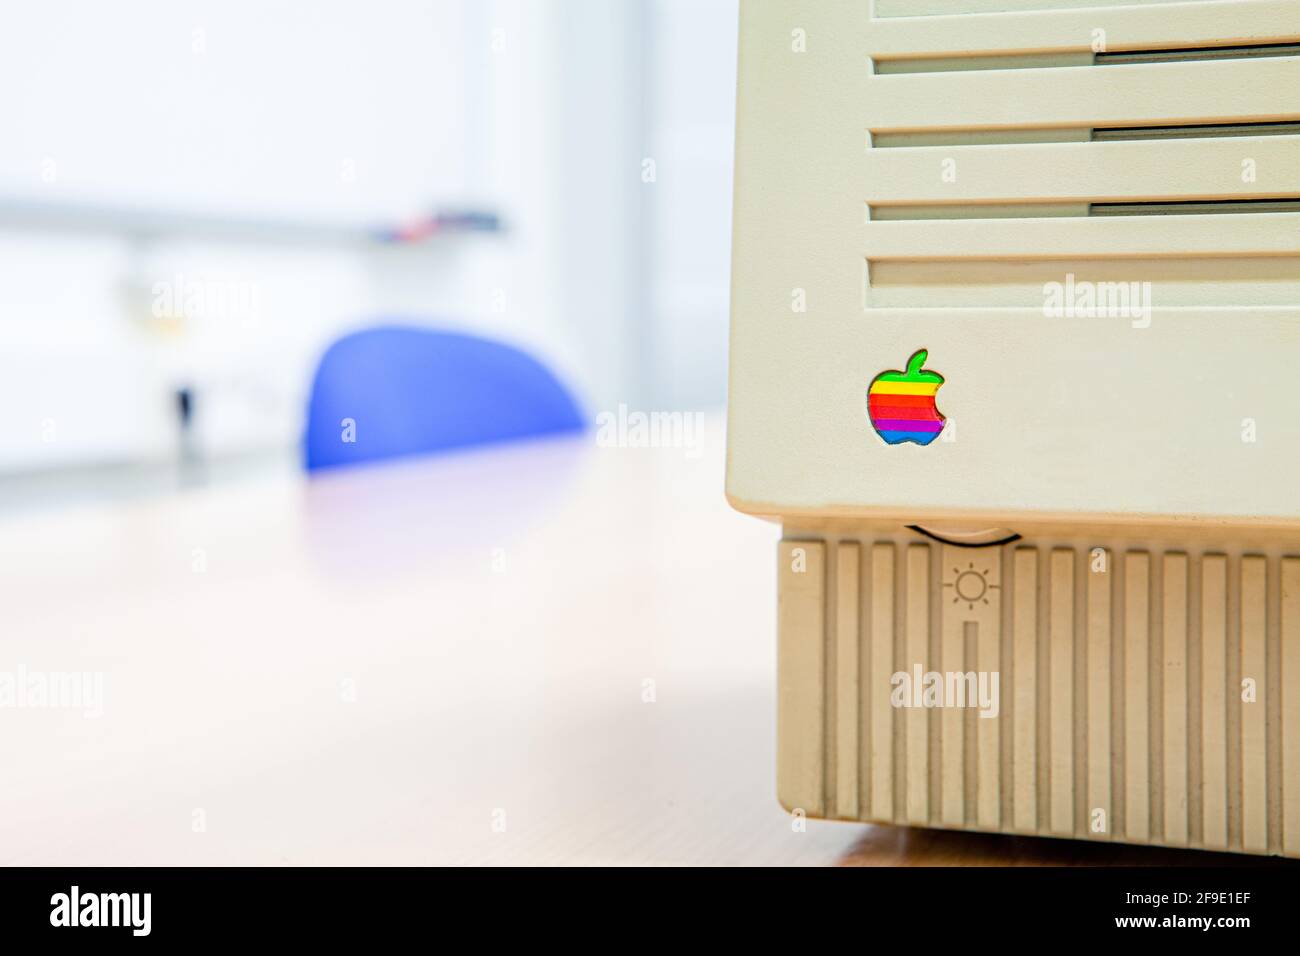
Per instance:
{"type": "Point", "coordinates": [321, 111]}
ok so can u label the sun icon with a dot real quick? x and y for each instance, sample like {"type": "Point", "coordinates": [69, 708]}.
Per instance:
{"type": "Point", "coordinates": [970, 586]}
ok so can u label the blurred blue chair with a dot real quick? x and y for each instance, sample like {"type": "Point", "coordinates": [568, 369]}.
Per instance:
{"type": "Point", "coordinates": [394, 391]}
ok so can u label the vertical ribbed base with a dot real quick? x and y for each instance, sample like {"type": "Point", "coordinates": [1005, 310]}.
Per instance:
{"type": "Point", "coordinates": [1141, 695]}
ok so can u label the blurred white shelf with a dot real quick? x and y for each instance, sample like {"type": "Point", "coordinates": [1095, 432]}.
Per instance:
{"type": "Point", "coordinates": [148, 224]}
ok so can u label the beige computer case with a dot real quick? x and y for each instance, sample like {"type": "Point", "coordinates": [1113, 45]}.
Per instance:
{"type": "Point", "coordinates": [1109, 516]}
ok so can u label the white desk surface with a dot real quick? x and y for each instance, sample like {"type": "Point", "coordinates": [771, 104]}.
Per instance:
{"type": "Point", "coordinates": [483, 679]}
{"type": "Point", "coordinates": [364, 667]}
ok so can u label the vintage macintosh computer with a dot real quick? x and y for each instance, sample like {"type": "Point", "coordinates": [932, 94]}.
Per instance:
{"type": "Point", "coordinates": [1015, 363]}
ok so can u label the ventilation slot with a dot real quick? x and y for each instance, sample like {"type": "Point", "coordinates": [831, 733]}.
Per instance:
{"type": "Point", "coordinates": [1116, 134]}
{"type": "Point", "coordinates": [1078, 92]}
{"type": "Point", "coordinates": [1205, 53]}
{"type": "Point", "coordinates": [1193, 132]}
{"type": "Point", "coordinates": [1109, 288]}
{"type": "Point", "coordinates": [901, 212]}
{"type": "Point", "coordinates": [1027, 61]}
{"type": "Point", "coordinates": [889, 9]}
{"type": "Point", "coordinates": [954, 64]}
{"type": "Point", "coordinates": [1237, 206]}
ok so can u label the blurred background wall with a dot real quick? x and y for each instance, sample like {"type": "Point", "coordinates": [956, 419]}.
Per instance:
{"type": "Point", "coordinates": [198, 197]}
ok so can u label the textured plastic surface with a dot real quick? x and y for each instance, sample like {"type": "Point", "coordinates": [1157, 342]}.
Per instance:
{"type": "Point", "coordinates": [1133, 416]}
{"type": "Point", "coordinates": [1145, 690]}
{"type": "Point", "coordinates": [965, 185]}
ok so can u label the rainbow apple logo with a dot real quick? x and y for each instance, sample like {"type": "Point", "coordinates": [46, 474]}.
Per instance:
{"type": "Point", "coordinates": [901, 404]}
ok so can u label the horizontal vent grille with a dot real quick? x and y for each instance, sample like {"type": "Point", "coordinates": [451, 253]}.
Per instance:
{"type": "Point", "coordinates": [989, 175]}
